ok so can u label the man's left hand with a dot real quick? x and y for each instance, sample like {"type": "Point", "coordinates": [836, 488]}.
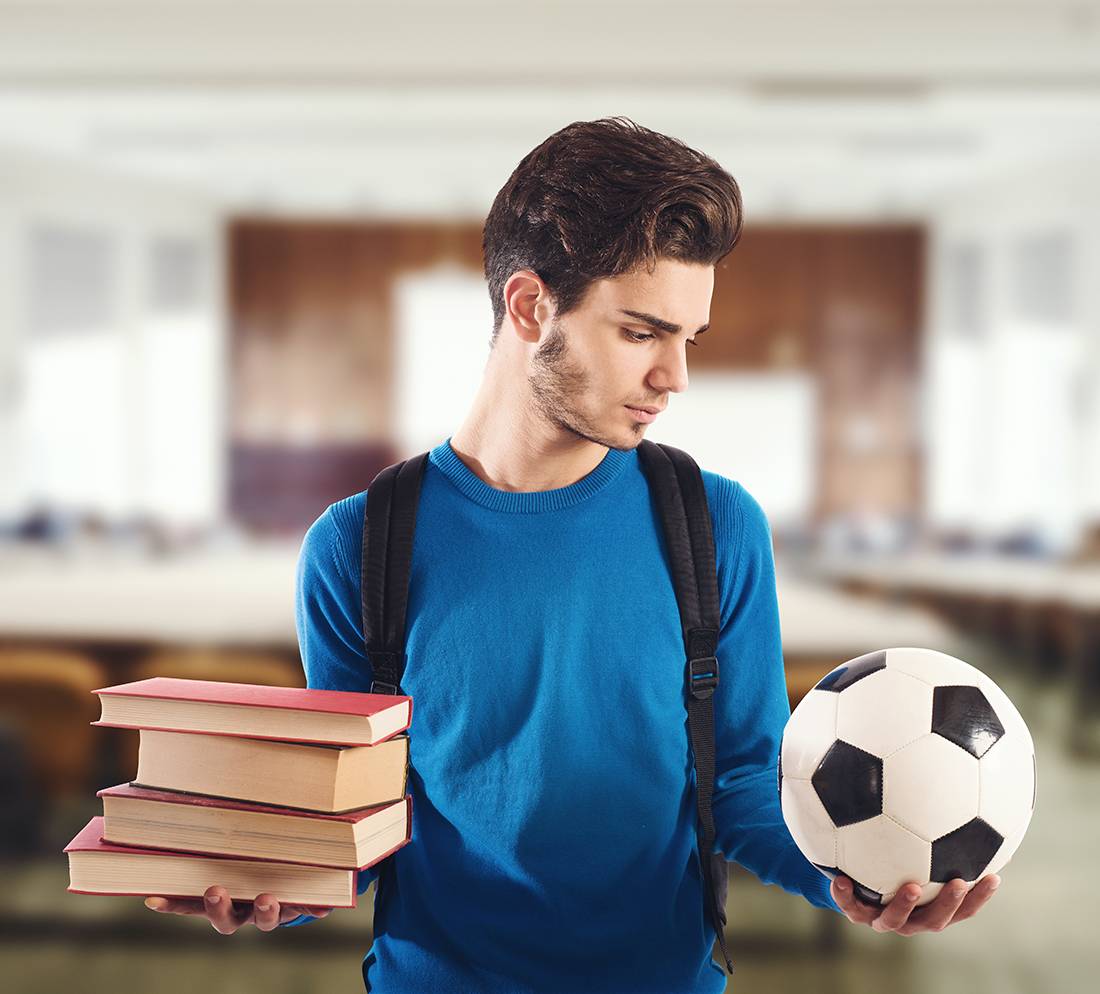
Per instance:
{"type": "Point", "coordinates": [953, 904]}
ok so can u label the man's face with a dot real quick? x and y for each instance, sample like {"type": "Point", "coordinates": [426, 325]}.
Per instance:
{"type": "Point", "coordinates": [600, 359]}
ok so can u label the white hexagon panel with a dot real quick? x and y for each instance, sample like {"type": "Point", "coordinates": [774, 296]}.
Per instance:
{"type": "Point", "coordinates": [1007, 849]}
{"type": "Point", "coordinates": [883, 712]}
{"type": "Point", "coordinates": [1007, 774]}
{"type": "Point", "coordinates": [810, 732]}
{"type": "Point", "coordinates": [809, 823]}
{"type": "Point", "coordinates": [930, 787]}
{"type": "Point", "coordinates": [882, 856]}
{"type": "Point", "coordinates": [934, 668]}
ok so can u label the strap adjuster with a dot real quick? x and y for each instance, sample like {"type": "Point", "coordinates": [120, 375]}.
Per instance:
{"type": "Point", "coordinates": [703, 676]}
{"type": "Point", "coordinates": [385, 663]}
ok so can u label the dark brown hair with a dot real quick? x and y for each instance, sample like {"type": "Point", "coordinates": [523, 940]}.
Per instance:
{"type": "Point", "coordinates": [599, 198]}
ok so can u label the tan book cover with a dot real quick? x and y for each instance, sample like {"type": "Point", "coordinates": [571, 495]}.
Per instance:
{"type": "Point", "coordinates": [159, 819]}
{"type": "Point", "coordinates": [97, 867]}
{"type": "Point", "coordinates": [321, 778]}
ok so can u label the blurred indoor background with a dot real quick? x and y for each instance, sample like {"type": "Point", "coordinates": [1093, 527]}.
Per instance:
{"type": "Point", "coordinates": [240, 273]}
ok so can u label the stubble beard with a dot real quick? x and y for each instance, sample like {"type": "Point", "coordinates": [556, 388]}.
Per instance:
{"type": "Point", "coordinates": [557, 385]}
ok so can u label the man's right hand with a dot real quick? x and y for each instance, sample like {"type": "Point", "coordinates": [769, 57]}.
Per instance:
{"type": "Point", "coordinates": [226, 916]}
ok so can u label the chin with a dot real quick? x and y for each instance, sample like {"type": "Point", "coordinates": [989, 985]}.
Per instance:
{"type": "Point", "coordinates": [631, 442]}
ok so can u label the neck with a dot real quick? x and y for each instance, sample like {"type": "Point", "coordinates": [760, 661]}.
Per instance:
{"type": "Point", "coordinates": [508, 443]}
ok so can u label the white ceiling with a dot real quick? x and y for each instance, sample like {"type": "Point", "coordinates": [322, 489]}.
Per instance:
{"type": "Point", "coordinates": [820, 109]}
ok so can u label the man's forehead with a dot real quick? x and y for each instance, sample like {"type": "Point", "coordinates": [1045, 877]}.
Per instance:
{"type": "Point", "coordinates": [683, 301]}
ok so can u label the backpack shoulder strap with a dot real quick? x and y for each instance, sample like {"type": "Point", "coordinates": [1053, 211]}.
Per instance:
{"type": "Point", "coordinates": [680, 495]}
{"type": "Point", "coordinates": [388, 527]}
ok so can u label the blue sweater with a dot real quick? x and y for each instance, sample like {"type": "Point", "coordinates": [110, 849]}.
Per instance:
{"type": "Point", "coordinates": [553, 839]}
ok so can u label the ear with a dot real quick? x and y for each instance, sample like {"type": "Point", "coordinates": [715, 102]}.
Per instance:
{"type": "Point", "coordinates": [528, 304]}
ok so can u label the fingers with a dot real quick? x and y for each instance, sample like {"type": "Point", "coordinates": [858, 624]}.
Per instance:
{"type": "Point", "coordinates": [216, 906]}
{"type": "Point", "coordinates": [221, 912]}
{"type": "Point", "coordinates": [937, 915]}
{"type": "Point", "coordinates": [897, 912]}
{"type": "Point", "coordinates": [882, 919]}
{"type": "Point", "coordinates": [957, 905]}
{"type": "Point", "coordinates": [267, 912]}
{"type": "Point", "coordinates": [855, 910]}
{"type": "Point", "coordinates": [176, 905]}
{"type": "Point", "coordinates": [979, 894]}
{"type": "Point", "coordinates": [954, 903]}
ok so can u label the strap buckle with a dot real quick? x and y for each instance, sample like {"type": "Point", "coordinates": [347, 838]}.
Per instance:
{"type": "Point", "coordinates": [385, 663]}
{"type": "Point", "coordinates": [703, 676]}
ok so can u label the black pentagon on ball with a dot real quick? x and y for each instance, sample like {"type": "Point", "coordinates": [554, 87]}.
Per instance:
{"type": "Point", "coordinates": [965, 852]}
{"type": "Point", "coordinates": [851, 671]}
{"type": "Point", "coordinates": [964, 716]}
{"type": "Point", "coordinates": [849, 783]}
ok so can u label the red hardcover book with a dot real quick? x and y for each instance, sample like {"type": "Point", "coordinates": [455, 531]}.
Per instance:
{"type": "Point", "coordinates": [181, 822]}
{"type": "Point", "coordinates": [98, 867]}
{"type": "Point", "coordinates": [289, 714]}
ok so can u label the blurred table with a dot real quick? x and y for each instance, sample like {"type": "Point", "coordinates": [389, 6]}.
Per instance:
{"type": "Point", "coordinates": [824, 626]}
{"type": "Point", "coordinates": [228, 597]}
{"type": "Point", "coordinates": [244, 597]}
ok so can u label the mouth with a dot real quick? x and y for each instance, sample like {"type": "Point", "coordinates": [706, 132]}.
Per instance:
{"type": "Point", "coordinates": [645, 414]}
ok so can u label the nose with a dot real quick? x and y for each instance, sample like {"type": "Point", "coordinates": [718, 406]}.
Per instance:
{"type": "Point", "coordinates": [670, 375]}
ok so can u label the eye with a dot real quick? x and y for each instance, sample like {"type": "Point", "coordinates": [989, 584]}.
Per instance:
{"type": "Point", "coordinates": [637, 336]}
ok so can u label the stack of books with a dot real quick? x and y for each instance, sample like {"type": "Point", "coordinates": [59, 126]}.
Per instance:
{"type": "Point", "coordinates": [257, 789]}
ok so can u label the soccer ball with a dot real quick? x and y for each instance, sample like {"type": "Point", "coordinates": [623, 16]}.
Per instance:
{"type": "Point", "coordinates": [906, 765]}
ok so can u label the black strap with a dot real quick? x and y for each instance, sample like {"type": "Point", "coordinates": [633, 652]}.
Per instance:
{"type": "Point", "coordinates": [677, 484]}
{"type": "Point", "coordinates": [392, 501]}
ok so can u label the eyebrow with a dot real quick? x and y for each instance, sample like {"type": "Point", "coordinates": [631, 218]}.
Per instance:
{"type": "Point", "coordinates": [660, 323]}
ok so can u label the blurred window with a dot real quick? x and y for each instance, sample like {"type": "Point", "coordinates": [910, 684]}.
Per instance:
{"type": "Point", "coordinates": [443, 322]}
{"type": "Point", "coordinates": [1005, 433]}
{"type": "Point", "coordinates": [74, 370]}
{"type": "Point", "coordinates": [118, 409]}
{"type": "Point", "coordinates": [175, 278]}
{"type": "Point", "coordinates": [179, 441]}
{"type": "Point", "coordinates": [1041, 279]}
{"type": "Point", "coordinates": [756, 428]}
{"type": "Point", "coordinates": [965, 289]}
{"type": "Point", "coordinates": [72, 280]}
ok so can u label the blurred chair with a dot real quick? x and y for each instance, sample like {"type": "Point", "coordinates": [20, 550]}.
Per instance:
{"type": "Point", "coordinates": [23, 810]}
{"type": "Point", "coordinates": [269, 669]}
{"type": "Point", "coordinates": [803, 671]}
{"type": "Point", "coordinates": [46, 702]}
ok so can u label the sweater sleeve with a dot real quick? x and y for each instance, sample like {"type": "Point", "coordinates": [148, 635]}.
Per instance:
{"type": "Point", "coordinates": [327, 617]}
{"type": "Point", "coordinates": [751, 704]}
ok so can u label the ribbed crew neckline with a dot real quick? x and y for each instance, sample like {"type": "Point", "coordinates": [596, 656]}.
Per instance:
{"type": "Point", "coordinates": [526, 502]}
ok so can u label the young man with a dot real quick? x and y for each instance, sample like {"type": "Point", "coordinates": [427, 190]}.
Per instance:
{"type": "Point", "coordinates": [554, 811]}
